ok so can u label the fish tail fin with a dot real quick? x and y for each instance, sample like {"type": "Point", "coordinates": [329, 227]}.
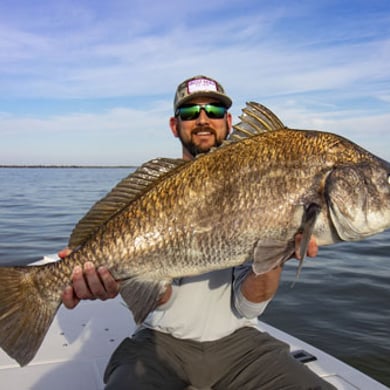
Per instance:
{"type": "Point", "coordinates": [25, 314]}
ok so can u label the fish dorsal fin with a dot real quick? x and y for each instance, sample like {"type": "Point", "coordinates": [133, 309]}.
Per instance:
{"type": "Point", "coordinates": [255, 119]}
{"type": "Point", "coordinates": [125, 192]}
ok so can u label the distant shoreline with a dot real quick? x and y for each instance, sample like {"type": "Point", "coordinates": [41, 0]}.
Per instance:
{"type": "Point", "coordinates": [68, 166]}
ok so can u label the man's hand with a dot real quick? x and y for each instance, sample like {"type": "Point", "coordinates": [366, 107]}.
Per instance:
{"type": "Point", "coordinates": [88, 283]}
{"type": "Point", "coordinates": [312, 249]}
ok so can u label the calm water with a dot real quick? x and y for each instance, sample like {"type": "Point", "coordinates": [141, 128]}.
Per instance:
{"type": "Point", "coordinates": [341, 303]}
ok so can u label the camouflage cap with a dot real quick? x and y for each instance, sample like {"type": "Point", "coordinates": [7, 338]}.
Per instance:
{"type": "Point", "coordinates": [200, 86]}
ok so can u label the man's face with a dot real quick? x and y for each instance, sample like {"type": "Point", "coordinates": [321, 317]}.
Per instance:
{"type": "Point", "coordinates": [201, 134]}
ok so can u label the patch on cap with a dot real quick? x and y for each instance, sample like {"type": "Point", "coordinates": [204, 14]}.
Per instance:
{"type": "Point", "coordinates": [201, 85]}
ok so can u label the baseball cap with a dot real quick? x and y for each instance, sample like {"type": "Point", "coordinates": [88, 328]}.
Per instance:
{"type": "Point", "coordinates": [200, 86]}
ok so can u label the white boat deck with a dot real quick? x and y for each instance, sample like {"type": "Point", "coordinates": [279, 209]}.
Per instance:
{"type": "Point", "coordinates": [80, 342]}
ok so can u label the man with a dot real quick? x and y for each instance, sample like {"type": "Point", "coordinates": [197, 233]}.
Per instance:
{"type": "Point", "coordinates": [203, 333]}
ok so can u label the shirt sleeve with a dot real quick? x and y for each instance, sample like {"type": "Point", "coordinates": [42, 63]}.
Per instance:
{"type": "Point", "coordinates": [242, 306]}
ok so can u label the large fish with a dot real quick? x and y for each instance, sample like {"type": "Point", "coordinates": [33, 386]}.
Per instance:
{"type": "Point", "coordinates": [245, 200]}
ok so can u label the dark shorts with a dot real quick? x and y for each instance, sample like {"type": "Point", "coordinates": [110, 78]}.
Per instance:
{"type": "Point", "coordinates": [245, 360]}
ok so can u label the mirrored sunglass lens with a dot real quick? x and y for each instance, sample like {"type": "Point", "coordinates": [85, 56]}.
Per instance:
{"type": "Point", "coordinates": [189, 112]}
{"type": "Point", "coordinates": [213, 111]}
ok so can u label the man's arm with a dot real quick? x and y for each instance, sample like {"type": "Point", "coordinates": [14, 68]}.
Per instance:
{"type": "Point", "coordinates": [252, 292]}
{"type": "Point", "coordinates": [261, 288]}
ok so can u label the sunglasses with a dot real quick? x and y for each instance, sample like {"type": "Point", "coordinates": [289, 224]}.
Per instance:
{"type": "Point", "coordinates": [191, 112]}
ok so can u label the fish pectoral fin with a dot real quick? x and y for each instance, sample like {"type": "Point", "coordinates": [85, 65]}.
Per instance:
{"type": "Point", "coordinates": [142, 295]}
{"type": "Point", "coordinates": [268, 253]}
{"type": "Point", "coordinates": [309, 220]}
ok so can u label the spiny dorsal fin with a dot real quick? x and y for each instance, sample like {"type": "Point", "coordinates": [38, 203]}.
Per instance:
{"type": "Point", "coordinates": [125, 192]}
{"type": "Point", "coordinates": [255, 119]}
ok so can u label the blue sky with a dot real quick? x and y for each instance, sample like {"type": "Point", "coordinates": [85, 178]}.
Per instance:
{"type": "Point", "coordinates": [92, 82]}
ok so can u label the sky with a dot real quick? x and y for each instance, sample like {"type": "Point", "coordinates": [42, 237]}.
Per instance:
{"type": "Point", "coordinates": [92, 82]}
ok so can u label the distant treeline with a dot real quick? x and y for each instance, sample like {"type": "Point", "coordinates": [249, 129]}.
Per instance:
{"type": "Point", "coordinates": [67, 166]}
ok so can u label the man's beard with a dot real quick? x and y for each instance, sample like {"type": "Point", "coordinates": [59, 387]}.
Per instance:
{"type": "Point", "coordinates": [195, 149]}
